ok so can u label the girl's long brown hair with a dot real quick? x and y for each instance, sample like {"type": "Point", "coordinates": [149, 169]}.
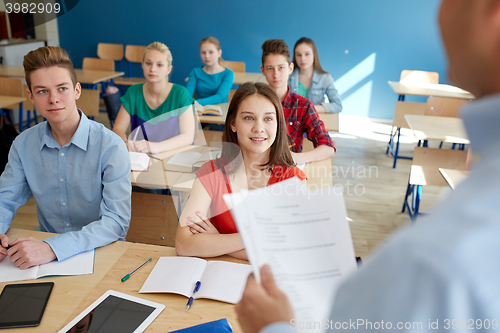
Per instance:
{"type": "Point", "coordinates": [316, 64]}
{"type": "Point", "coordinates": [279, 152]}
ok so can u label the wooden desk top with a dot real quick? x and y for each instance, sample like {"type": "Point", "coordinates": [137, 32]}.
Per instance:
{"type": "Point", "coordinates": [72, 294]}
{"type": "Point", "coordinates": [68, 291]}
{"type": "Point", "coordinates": [83, 76]}
{"type": "Point", "coordinates": [446, 129]}
{"type": "Point", "coordinates": [331, 120]}
{"type": "Point", "coordinates": [454, 177]}
{"type": "Point", "coordinates": [93, 77]}
{"type": "Point", "coordinates": [440, 90]}
{"type": "Point", "coordinates": [6, 101]}
{"type": "Point", "coordinates": [156, 176]}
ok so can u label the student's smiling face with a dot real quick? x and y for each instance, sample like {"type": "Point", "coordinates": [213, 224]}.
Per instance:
{"type": "Point", "coordinates": [255, 125]}
{"type": "Point", "coordinates": [304, 56]}
{"type": "Point", "coordinates": [53, 94]}
{"type": "Point", "coordinates": [209, 54]}
{"type": "Point", "coordinates": [155, 66]}
{"type": "Point", "coordinates": [276, 70]}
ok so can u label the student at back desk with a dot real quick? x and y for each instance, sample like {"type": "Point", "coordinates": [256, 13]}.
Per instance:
{"type": "Point", "coordinates": [300, 116]}
{"type": "Point", "coordinates": [213, 81]}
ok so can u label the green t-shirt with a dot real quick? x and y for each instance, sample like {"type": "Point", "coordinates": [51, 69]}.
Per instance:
{"type": "Point", "coordinates": [161, 123]}
{"type": "Point", "coordinates": [302, 91]}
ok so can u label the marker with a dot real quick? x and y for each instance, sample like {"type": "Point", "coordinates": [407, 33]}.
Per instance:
{"type": "Point", "coordinates": [135, 270]}
{"type": "Point", "coordinates": [196, 288]}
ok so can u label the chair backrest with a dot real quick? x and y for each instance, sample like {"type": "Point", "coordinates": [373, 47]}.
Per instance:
{"type": "Point", "coordinates": [27, 105]}
{"type": "Point", "coordinates": [235, 66]}
{"type": "Point", "coordinates": [89, 102]}
{"type": "Point", "coordinates": [404, 108]}
{"type": "Point", "coordinates": [427, 161]}
{"type": "Point", "coordinates": [110, 51]}
{"type": "Point", "coordinates": [133, 53]}
{"type": "Point", "coordinates": [11, 87]}
{"type": "Point", "coordinates": [98, 64]}
{"type": "Point", "coordinates": [415, 77]}
{"type": "Point", "coordinates": [444, 106]}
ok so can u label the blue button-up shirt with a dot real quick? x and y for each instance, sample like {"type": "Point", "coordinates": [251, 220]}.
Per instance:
{"type": "Point", "coordinates": [82, 189]}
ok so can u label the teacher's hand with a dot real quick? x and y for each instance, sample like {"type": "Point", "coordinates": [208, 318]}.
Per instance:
{"type": "Point", "coordinates": [262, 304]}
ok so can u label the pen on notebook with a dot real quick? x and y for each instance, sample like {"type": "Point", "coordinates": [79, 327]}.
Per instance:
{"type": "Point", "coordinates": [135, 270]}
{"type": "Point", "coordinates": [190, 301]}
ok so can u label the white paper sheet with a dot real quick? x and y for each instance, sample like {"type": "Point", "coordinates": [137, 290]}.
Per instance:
{"type": "Point", "coordinates": [305, 238]}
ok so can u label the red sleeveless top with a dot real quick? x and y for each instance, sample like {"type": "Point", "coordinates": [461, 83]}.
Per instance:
{"type": "Point", "coordinates": [217, 184]}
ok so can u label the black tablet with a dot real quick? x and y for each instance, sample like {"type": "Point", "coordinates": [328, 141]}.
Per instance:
{"type": "Point", "coordinates": [22, 305]}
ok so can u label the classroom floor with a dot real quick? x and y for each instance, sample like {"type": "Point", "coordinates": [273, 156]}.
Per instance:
{"type": "Point", "coordinates": [373, 190]}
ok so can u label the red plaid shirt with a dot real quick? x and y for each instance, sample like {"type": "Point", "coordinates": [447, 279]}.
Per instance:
{"type": "Point", "coordinates": [301, 117]}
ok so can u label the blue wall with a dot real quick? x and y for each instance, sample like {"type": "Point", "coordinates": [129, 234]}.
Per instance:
{"type": "Point", "coordinates": [362, 43]}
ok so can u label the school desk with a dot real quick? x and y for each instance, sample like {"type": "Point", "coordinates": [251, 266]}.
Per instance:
{"type": "Point", "coordinates": [429, 89]}
{"type": "Point", "coordinates": [331, 120]}
{"type": "Point", "coordinates": [73, 294]}
{"type": "Point", "coordinates": [446, 129]}
{"type": "Point", "coordinates": [6, 101]}
{"type": "Point", "coordinates": [83, 76]}
{"type": "Point", "coordinates": [454, 177]}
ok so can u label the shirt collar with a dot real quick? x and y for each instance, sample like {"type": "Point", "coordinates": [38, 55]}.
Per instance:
{"type": "Point", "coordinates": [481, 119]}
{"type": "Point", "coordinates": [79, 139]}
{"type": "Point", "coordinates": [287, 101]}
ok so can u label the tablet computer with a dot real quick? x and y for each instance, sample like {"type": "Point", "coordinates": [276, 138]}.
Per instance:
{"type": "Point", "coordinates": [115, 312]}
{"type": "Point", "coordinates": [22, 305]}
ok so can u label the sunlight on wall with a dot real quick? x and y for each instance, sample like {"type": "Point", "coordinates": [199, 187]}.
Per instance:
{"type": "Point", "coordinates": [355, 98]}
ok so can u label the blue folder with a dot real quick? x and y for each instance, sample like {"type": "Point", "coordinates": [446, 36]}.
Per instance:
{"type": "Point", "coordinates": [217, 326]}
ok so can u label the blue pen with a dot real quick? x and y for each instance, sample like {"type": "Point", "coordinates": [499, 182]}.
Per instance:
{"type": "Point", "coordinates": [196, 288]}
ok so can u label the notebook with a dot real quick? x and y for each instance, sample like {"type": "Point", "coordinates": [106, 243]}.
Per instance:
{"type": "Point", "coordinates": [79, 264]}
{"type": "Point", "coordinates": [220, 280]}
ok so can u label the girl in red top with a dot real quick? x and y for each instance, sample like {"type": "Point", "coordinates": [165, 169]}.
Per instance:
{"type": "Point", "coordinates": [255, 154]}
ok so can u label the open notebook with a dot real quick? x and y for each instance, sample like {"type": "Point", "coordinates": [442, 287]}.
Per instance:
{"type": "Point", "coordinates": [79, 264]}
{"type": "Point", "coordinates": [220, 280]}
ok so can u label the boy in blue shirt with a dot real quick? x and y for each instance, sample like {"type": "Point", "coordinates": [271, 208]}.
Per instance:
{"type": "Point", "coordinates": [77, 170]}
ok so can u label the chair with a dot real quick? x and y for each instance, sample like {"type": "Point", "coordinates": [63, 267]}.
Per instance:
{"type": "Point", "coordinates": [111, 51]}
{"type": "Point", "coordinates": [418, 77]}
{"type": "Point", "coordinates": [235, 66]}
{"type": "Point", "coordinates": [444, 107]}
{"type": "Point", "coordinates": [425, 171]}
{"type": "Point", "coordinates": [97, 64]}
{"type": "Point", "coordinates": [15, 88]}
{"type": "Point", "coordinates": [407, 77]}
{"type": "Point", "coordinates": [89, 102]}
{"type": "Point", "coordinates": [133, 54]}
